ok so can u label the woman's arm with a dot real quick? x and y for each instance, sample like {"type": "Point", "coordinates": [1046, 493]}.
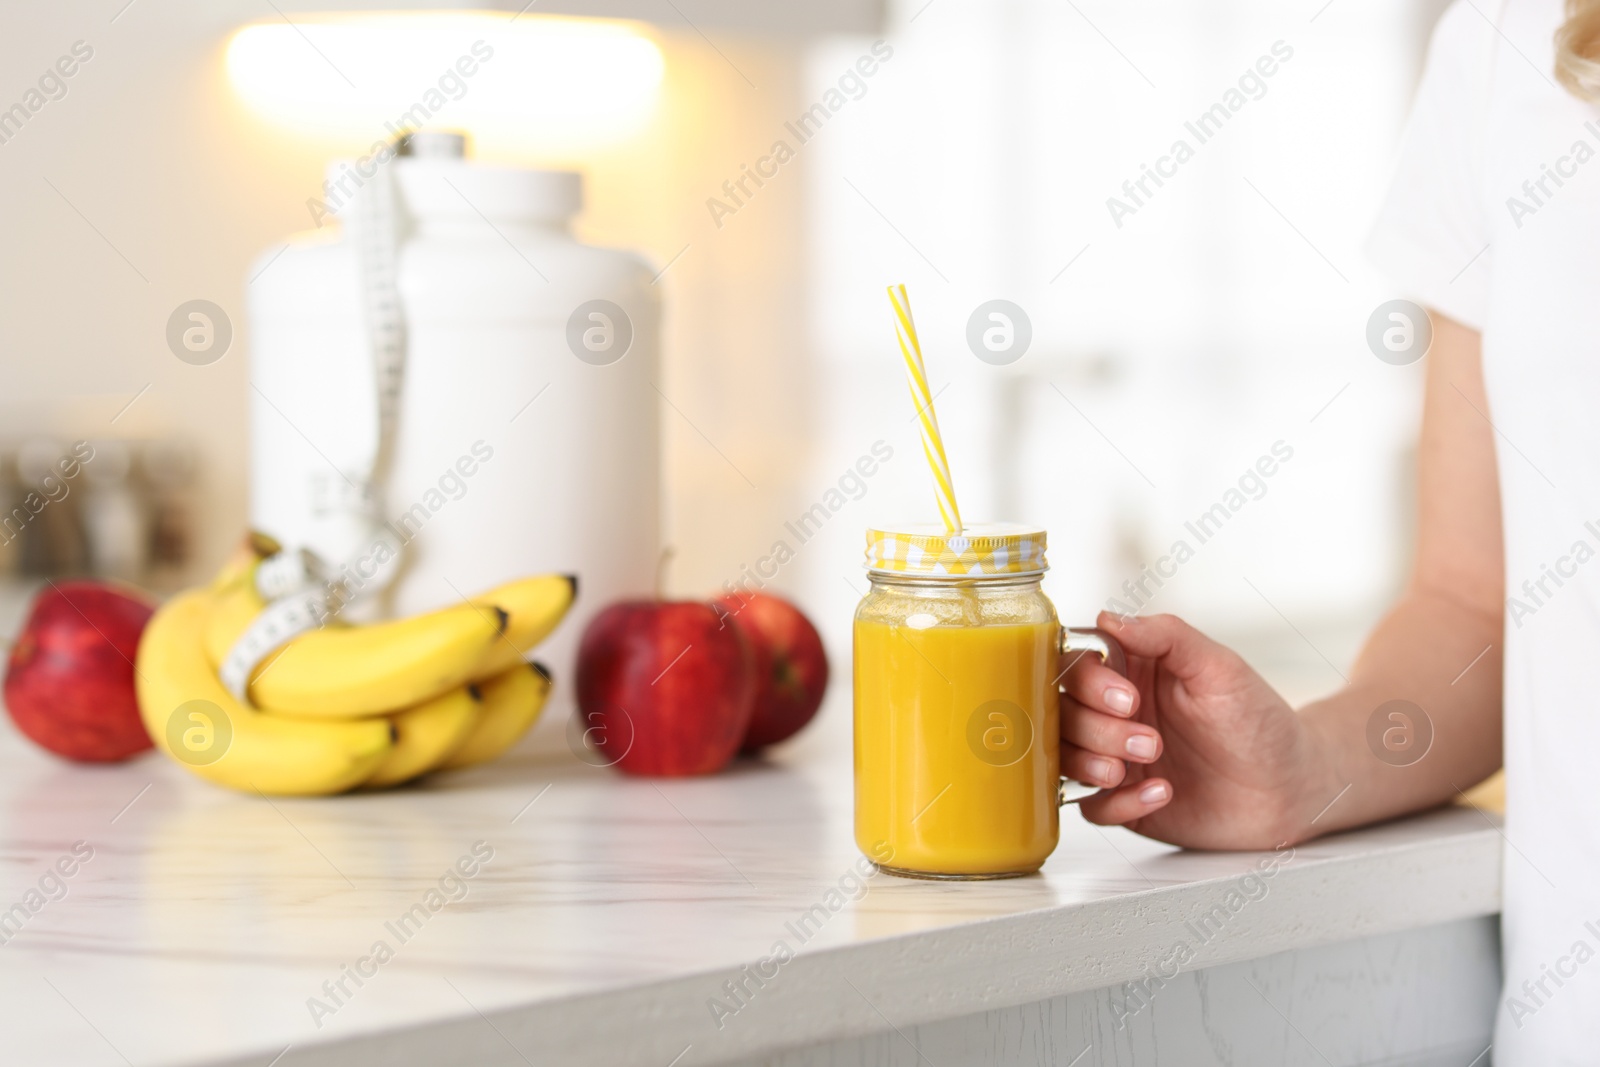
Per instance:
{"type": "Point", "coordinates": [1195, 748]}
{"type": "Point", "coordinates": [1440, 647]}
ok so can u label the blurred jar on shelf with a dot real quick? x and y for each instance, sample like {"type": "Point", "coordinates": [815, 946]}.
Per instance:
{"type": "Point", "coordinates": [10, 497]}
{"type": "Point", "coordinates": [114, 520]}
{"type": "Point", "coordinates": [46, 515]}
{"type": "Point", "coordinates": [107, 508]}
{"type": "Point", "coordinates": [168, 471]}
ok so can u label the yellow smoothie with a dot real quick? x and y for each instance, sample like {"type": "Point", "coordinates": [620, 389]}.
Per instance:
{"type": "Point", "coordinates": [957, 744]}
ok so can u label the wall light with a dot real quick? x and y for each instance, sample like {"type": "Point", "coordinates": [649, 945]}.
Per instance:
{"type": "Point", "coordinates": [549, 86]}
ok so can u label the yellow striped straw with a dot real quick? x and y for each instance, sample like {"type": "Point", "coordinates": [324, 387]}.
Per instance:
{"type": "Point", "coordinates": [922, 396]}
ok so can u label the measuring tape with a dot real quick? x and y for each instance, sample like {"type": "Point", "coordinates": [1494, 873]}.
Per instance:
{"type": "Point", "coordinates": [283, 619]}
{"type": "Point", "coordinates": [300, 591]}
{"type": "Point", "coordinates": [301, 595]}
{"type": "Point", "coordinates": [375, 231]}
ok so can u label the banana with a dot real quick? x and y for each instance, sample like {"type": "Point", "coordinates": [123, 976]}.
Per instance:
{"type": "Point", "coordinates": [183, 704]}
{"type": "Point", "coordinates": [536, 606]}
{"type": "Point", "coordinates": [426, 735]}
{"type": "Point", "coordinates": [234, 606]}
{"type": "Point", "coordinates": [347, 672]}
{"type": "Point", "coordinates": [242, 560]}
{"type": "Point", "coordinates": [512, 701]}
{"type": "Point", "coordinates": [344, 671]}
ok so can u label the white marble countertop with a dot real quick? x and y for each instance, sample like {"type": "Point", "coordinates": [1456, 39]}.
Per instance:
{"type": "Point", "coordinates": [611, 911]}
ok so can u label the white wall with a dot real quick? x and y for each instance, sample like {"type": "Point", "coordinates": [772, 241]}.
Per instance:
{"type": "Point", "coordinates": [1176, 349]}
{"type": "Point", "coordinates": [1193, 337]}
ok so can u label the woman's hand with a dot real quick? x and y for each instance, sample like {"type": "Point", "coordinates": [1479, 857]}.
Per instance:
{"type": "Point", "coordinates": [1193, 747]}
{"type": "Point", "coordinates": [1227, 764]}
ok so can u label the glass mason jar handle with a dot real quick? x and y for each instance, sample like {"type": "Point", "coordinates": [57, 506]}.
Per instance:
{"type": "Point", "coordinates": [1076, 642]}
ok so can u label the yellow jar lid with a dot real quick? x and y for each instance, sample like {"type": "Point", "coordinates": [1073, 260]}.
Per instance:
{"type": "Point", "coordinates": [925, 549]}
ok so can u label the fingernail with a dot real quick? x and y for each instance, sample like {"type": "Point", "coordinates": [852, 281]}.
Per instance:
{"type": "Point", "coordinates": [1142, 746]}
{"type": "Point", "coordinates": [1119, 699]}
{"type": "Point", "coordinates": [1102, 769]}
{"type": "Point", "coordinates": [1154, 793]}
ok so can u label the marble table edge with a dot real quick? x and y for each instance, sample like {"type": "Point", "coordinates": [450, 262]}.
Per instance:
{"type": "Point", "coordinates": [848, 990]}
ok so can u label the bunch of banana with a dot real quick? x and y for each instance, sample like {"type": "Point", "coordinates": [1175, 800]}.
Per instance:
{"type": "Point", "coordinates": [345, 706]}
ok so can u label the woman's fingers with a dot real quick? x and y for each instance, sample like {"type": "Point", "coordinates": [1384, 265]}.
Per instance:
{"type": "Point", "coordinates": [1097, 686]}
{"type": "Point", "coordinates": [1091, 768]}
{"type": "Point", "coordinates": [1105, 735]}
{"type": "Point", "coordinates": [1133, 801]}
{"type": "Point", "coordinates": [1184, 651]}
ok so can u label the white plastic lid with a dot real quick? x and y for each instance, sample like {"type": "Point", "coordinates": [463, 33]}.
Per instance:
{"type": "Point", "coordinates": [435, 188]}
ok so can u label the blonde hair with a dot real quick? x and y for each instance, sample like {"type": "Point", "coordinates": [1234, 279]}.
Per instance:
{"type": "Point", "coordinates": [1578, 49]}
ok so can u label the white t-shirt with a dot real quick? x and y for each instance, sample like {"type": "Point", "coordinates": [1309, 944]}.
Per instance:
{"type": "Point", "coordinates": [1494, 220]}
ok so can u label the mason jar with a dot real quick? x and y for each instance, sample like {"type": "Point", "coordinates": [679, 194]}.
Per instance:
{"type": "Point", "coordinates": [958, 662]}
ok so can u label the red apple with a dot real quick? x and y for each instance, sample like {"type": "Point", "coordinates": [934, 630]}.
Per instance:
{"type": "Point", "coordinates": [69, 684]}
{"type": "Point", "coordinates": [791, 666]}
{"type": "Point", "coordinates": [664, 688]}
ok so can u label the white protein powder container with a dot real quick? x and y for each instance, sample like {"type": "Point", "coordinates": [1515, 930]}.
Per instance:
{"type": "Point", "coordinates": [524, 433]}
